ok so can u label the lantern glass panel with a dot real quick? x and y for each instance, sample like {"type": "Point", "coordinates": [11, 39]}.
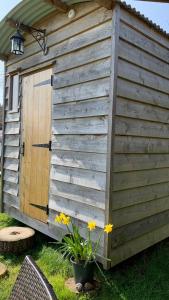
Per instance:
{"type": "Point", "coordinates": [17, 44]}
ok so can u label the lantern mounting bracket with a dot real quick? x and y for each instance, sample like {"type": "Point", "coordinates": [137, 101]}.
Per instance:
{"type": "Point", "coordinates": [38, 34]}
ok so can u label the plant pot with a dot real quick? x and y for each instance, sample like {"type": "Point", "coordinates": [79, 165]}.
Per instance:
{"type": "Point", "coordinates": [83, 272]}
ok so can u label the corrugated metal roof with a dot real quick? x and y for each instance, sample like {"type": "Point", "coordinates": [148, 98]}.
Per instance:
{"type": "Point", "coordinates": [31, 11]}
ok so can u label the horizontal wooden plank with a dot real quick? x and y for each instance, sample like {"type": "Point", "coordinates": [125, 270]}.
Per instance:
{"type": "Point", "coordinates": [136, 245]}
{"type": "Point", "coordinates": [74, 43]}
{"type": "Point", "coordinates": [92, 107]}
{"type": "Point", "coordinates": [78, 27]}
{"type": "Point", "coordinates": [78, 193]}
{"type": "Point", "coordinates": [129, 144]}
{"type": "Point", "coordinates": [82, 160]}
{"type": "Point", "coordinates": [131, 231]}
{"type": "Point", "coordinates": [130, 162]}
{"type": "Point", "coordinates": [11, 152]}
{"type": "Point", "coordinates": [137, 92]}
{"type": "Point", "coordinates": [139, 75]}
{"type": "Point", "coordinates": [95, 125]}
{"type": "Point", "coordinates": [10, 200]}
{"type": "Point", "coordinates": [128, 180]}
{"type": "Point", "coordinates": [140, 211]}
{"type": "Point", "coordinates": [83, 56]}
{"type": "Point", "coordinates": [10, 176]}
{"type": "Point", "coordinates": [85, 143]}
{"type": "Point", "coordinates": [88, 72]}
{"type": "Point", "coordinates": [86, 178]}
{"type": "Point", "coordinates": [137, 56]}
{"type": "Point", "coordinates": [138, 195]}
{"type": "Point", "coordinates": [77, 210]}
{"type": "Point", "coordinates": [10, 188]}
{"type": "Point", "coordinates": [141, 26]}
{"type": "Point", "coordinates": [138, 39]}
{"type": "Point", "coordinates": [11, 164]}
{"type": "Point", "coordinates": [142, 111]}
{"type": "Point", "coordinates": [134, 127]}
{"type": "Point", "coordinates": [83, 91]}
{"type": "Point", "coordinates": [12, 128]}
{"type": "Point", "coordinates": [12, 117]}
{"type": "Point", "coordinates": [12, 140]}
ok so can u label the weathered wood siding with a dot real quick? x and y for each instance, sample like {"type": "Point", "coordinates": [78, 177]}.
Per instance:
{"type": "Point", "coordinates": [11, 150]}
{"type": "Point", "coordinates": [140, 197]}
{"type": "Point", "coordinates": [81, 49]}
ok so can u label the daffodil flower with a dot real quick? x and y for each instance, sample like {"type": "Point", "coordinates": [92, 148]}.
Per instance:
{"type": "Point", "coordinates": [108, 228]}
{"type": "Point", "coordinates": [91, 225]}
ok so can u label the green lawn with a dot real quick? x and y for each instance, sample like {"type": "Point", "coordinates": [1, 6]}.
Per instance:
{"type": "Point", "coordinates": [144, 277]}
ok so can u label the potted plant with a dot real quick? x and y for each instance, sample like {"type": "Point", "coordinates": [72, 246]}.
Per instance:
{"type": "Point", "coordinates": [82, 252]}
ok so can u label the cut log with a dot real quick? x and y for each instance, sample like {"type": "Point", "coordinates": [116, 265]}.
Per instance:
{"type": "Point", "coordinates": [16, 239]}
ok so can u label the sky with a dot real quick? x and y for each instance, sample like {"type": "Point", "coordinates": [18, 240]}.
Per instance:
{"type": "Point", "coordinates": [157, 12]}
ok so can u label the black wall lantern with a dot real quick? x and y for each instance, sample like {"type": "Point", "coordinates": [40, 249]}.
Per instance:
{"type": "Point", "coordinates": [17, 39]}
{"type": "Point", "coordinates": [17, 43]}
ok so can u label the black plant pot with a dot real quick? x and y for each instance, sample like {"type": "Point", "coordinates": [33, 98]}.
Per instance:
{"type": "Point", "coordinates": [83, 272]}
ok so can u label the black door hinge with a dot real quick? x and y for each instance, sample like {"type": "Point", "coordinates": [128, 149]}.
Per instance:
{"type": "Point", "coordinates": [51, 80]}
{"type": "Point", "coordinates": [44, 208]}
{"type": "Point", "coordinates": [48, 146]}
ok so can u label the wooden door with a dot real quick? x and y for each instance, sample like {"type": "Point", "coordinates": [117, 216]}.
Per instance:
{"type": "Point", "coordinates": [36, 133]}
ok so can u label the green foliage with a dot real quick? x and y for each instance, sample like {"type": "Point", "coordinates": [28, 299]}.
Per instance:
{"type": "Point", "coordinates": [144, 277]}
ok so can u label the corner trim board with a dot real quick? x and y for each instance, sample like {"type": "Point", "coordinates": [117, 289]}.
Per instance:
{"type": "Point", "coordinates": [111, 129]}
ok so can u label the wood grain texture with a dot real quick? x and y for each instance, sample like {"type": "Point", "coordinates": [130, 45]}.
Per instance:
{"type": "Point", "coordinates": [85, 143]}
{"type": "Point", "coordinates": [83, 91]}
{"type": "Point", "coordinates": [95, 125]}
{"type": "Point", "coordinates": [127, 180]}
{"type": "Point", "coordinates": [142, 27]}
{"type": "Point", "coordinates": [141, 111]}
{"type": "Point", "coordinates": [135, 127]}
{"type": "Point", "coordinates": [139, 75]}
{"type": "Point", "coordinates": [140, 40]}
{"type": "Point", "coordinates": [134, 196]}
{"type": "Point", "coordinates": [77, 210]}
{"type": "Point", "coordinates": [92, 107]}
{"type": "Point", "coordinates": [129, 144]}
{"type": "Point", "coordinates": [92, 71]}
{"type": "Point", "coordinates": [82, 160]}
{"type": "Point", "coordinates": [140, 211]}
{"type": "Point", "coordinates": [78, 193]}
{"type": "Point", "coordinates": [83, 56]}
{"type": "Point", "coordinates": [137, 92]}
{"type": "Point", "coordinates": [131, 231]}
{"type": "Point", "coordinates": [86, 178]}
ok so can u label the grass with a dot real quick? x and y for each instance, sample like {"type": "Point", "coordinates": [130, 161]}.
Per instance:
{"type": "Point", "coordinates": [144, 277]}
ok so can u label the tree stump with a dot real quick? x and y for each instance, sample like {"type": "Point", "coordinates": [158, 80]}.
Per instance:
{"type": "Point", "coordinates": [16, 239]}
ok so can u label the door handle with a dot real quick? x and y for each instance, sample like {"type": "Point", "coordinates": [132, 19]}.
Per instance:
{"type": "Point", "coordinates": [48, 146]}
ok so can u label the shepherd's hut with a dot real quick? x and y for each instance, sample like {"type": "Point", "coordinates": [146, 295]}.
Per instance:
{"type": "Point", "coordinates": [86, 121]}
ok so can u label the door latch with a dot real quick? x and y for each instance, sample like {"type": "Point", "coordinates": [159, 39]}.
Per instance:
{"type": "Point", "coordinates": [23, 148]}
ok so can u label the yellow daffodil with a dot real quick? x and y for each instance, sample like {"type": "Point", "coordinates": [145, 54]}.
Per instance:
{"type": "Point", "coordinates": [62, 219]}
{"type": "Point", "coordinates": [58, 219]}
{"type": "Point", "coordinates": [66, 220]}
{"type": "Point", "coordinates": [108, 228]}
{"type": "Point", "coordinates": [91, 225]}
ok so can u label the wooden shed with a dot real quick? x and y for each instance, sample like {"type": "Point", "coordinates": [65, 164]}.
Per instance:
{"type": "Point", "coordinates": [99, 100]}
